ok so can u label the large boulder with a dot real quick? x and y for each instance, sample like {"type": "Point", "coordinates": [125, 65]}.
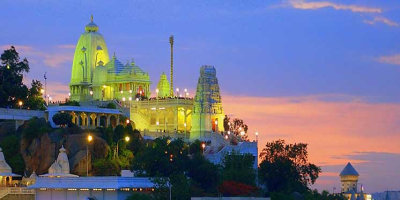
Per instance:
{"type": "Point", "coordinates": [40, 153]}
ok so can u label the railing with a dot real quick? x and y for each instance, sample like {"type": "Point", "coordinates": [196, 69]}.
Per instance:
{"type": "Point", "coordinates": [4, 191]}
{"type": "Point", "coordinates": [20, 113]}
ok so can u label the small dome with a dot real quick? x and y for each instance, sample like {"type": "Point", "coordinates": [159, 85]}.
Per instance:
{"type": "Point", "coordinates": [55, 168]}
{"type": "Point", "coordinates": [91, 27]}
{"type": "Point", "coordinates": [33, 175]}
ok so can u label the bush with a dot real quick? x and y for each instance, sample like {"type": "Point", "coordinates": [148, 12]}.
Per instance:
{"type": "Point", "coordinates": [105, 167]}
{"type": "Point", "coordinates": [70, 103]}
{"type": "Point", "coordinates": [35, 128]}
{"type": "Point", "coordinates": [62, 119]}
{"type": "Point", "coordinates": [111, 106]}
{"type": "Point", "coordinates": [10, 146]}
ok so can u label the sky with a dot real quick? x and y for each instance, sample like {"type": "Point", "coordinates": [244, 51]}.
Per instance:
{"type": "Point", "coordinates": [325, 73]}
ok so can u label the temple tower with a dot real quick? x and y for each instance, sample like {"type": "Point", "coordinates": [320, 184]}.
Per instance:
{"type": "Point", "coordinates": [208, 115]}
{"type": "Point", "coordinates": [90, 50]}
{"type": "Point", "coordinates": [349, 178]}
{"type": "Point", "coordinates": [163, 86]}
{"type": "Point", "coordinates": [171, 41]}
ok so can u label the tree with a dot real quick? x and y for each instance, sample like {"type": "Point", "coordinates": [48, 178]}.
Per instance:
{"type": "Point", "coordinates": [10, 146]}
{"type": "Point", "coordinates": [62, 119]}
{"type": "Point", "coordinates": [227, 123]}
{"type": "Point", "coordinates": [285, 167]}
{"type": "Point", "coordinates": [105, 167]}
{"type": "Point", "coordinates": [35, 100]}
{"type": "Point", "coordinates": [236, 127]}
{"type": "Point", "coordinates": [239, 168]}
{"type": "Point", "coordinates": [12, 90]}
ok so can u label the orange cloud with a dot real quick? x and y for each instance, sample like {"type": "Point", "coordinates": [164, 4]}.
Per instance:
{"type": "Point", "coordinates": [380, 19]}
{"type": "Point", "coordinates": [331, 128]}
{"type": "Point", "coordinates": [300, 4]}
{"type": "Point", "coordinates": [392, 59]}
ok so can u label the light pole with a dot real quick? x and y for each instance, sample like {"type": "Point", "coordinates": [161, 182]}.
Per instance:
{"type": "Point", "coordinates": [91, 96]}
{"type": "Point", "coordinates": [45, 88]}
{"type": "Point", "coordinates": [89, 139]}
{"type": "Point", "coordinates": [20, 104]}
{"type": "Point", "coordinates": [256, 136]}
{"type": "Point", "coordinates": [126, 139]}
{"type": "Point", "coordinates": [203, 146]}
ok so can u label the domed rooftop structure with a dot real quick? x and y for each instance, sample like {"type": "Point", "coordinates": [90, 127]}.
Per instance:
{"type": "Point", "coordinates": [91, 27]}
{"type": "Point", "coordinates": [60, 167]}
{"type": "Point", "coordinates": [163, 86]}
{"type": "Point", "coordinates": [5, 169]}
{"type": "Point", "coordinates": [90, 49]}
{"type": "Point", "coordinates": [349, 171]}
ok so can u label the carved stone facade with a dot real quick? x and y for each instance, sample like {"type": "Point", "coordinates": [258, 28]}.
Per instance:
{"type": "Point", "coordinates": [208, 115]}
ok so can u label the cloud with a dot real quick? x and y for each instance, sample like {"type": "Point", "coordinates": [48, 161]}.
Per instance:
{"type": "Point", "coordinates": [55, 60]}
{"type": "Point", "coordinates": [67, 46]}
{"type": "Point", "coordinates": [392, 59]}
{"type": "Point", "coordinates": [334, 126]}
{"type": "Point", "coordinates": [373, 176]}
{"type": "Point", "coordinates": [315, 5]}
{"type": "Point", "coordinates": [58, 55]}
{"type": "Point", "coordinates": [380, 19]}
{"type": "Point", "coordinates": [300, 4]}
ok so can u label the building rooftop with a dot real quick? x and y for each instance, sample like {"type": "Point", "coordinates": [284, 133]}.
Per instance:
{"type": "Point", "coordinates": [98, 182]}
{"type": "Point", "coordinates": [349, 170]}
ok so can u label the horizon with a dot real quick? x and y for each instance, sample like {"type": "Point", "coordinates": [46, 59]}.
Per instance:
{"type": "Point", "coordinates": [323, 73]}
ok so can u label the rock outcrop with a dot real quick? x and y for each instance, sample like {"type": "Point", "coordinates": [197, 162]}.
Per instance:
{"type": "Point", "coordinates": [40, 153]}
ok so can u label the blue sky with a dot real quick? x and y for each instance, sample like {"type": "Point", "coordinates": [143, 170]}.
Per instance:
{"type": "Point", "coordinates": [337, 51]}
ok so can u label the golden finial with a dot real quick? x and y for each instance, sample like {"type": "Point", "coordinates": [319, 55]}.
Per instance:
{"type": "Point", "coordinates": [91, 17]}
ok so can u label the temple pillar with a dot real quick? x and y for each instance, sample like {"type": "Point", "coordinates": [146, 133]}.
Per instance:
{"type": "Point", "coordinates": [108, 120]}
{"type": "Point", "coordinates": [98, 120]}
{"type": "Point", "coordinates": [78, 122]}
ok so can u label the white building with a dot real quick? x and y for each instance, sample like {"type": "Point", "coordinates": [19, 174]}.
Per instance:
{"type": "Point", "coordinates": [59, 184]}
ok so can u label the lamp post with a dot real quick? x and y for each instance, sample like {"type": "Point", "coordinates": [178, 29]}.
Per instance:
{"type": "Point", "coordinates": [203, 146]}
{"type": "Point", "coordinates": [126, 139]}
{"type": "Point", "coordinates": [91, 96]}
{"type": "Point", "coordinates": [256, 136]}
{"type": "Point", "coordinates": [20, 104]}
{"type": "Point", "coordinates": [89, 139]}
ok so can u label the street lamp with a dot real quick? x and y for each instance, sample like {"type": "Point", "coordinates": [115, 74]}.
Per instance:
{"type": "Point", "coordinates": [177, 92]}
{"type": "Point", "coordinates": [89, 139]}
{"type": "Point", "coordinates": [126, 140]}
{"type": "Point", "coordinates": [20, 104]}
{"type": "Point", "coordinates": [256, 136]}
{"type": "Point", "coordinates": [127, 121]}
{"type": "Point", "coordinates": [203, 146]}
